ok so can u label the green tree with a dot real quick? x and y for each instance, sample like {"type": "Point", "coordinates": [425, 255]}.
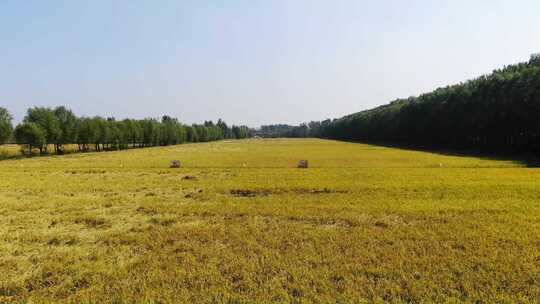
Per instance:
{"type": "Point", "coordinates": [131, 131]}
{"type": "Point", "coordinates": [225, 130]}
{"type": "Point", "coordinates": [6, 128]}
{"type": "Point", "coordinates": [30, 134]}
{"type": "Point", "coordinates": [115, 134]}
{"type": "Point", "coordinates": [68, 128]}
{"type": "Point", "coordinates": [171, 131]}
{"type": "Point", "coordinates": [150, 132]}
{"type": "Point", "coordinates": [191, 134]}
{"type": "Point", "coordinates": [87, 133]}
{"type": "Point", "coordinates": [101, 132]}
{"type": "Point", "coordinates": [47, 121]}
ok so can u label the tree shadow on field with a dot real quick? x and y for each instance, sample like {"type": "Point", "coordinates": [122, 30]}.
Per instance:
{"type": "Point", "coordinates": [528, 160]}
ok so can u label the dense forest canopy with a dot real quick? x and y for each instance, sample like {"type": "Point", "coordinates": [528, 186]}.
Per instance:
{"type": "Point", "coordinates": [496, 112]}
{"type": "Point", "coordinates": [270, 131]}
{"type": "Point", "coordinates": [59, 126]}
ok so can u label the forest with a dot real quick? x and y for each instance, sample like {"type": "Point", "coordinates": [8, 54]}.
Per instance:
{"type": "Point", "coordinates": [274, 131]}
{"type": "Point", "coordinates": [43, 127]}
{"type": "Point", "coordinates": [496, 113]}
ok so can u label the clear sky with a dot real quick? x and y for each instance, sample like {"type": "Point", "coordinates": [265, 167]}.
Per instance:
{"type": "Point", "coordinates": [250, 62]}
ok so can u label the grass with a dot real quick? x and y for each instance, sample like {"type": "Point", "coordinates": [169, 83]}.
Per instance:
{"type": "Point", "coordinates": [10, 151]}
{"type": "Point", "coordinates": [14, 151]}
{"type": "Point", "coordinates": [239, 223]}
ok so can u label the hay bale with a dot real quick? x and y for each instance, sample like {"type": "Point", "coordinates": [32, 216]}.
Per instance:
{"type": "Point", "coordinates": [303, 164]}
{"type": "Point", "coordinates": [175, 164]}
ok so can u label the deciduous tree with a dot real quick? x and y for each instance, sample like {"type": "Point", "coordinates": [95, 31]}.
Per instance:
{"type": "Point", "coordinates": [31, 134]}
{"type": "Point", "coordinates": [6, 127]}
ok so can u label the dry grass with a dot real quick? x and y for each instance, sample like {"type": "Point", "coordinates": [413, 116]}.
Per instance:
{"type": "Point", "coordinates": [364, 223]}
{"type": "Point", "coordinates": [8, 151]}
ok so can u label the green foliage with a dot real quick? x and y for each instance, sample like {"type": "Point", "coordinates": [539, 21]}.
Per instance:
{"type": "Point", "coordinates": [6, 128]}
{"type": "Point", "coordinates": [68, 127]}
{"type": "Point", "coordinates": [60, 127]}
{"type": "Point", "coordinates": [45, 119]}
{"type": "Point", "coordinates": [87, 133]}
{"type": "Point", "coordinates": [31, 134]}
{"type": "Point", "coordinates": [497, 113]}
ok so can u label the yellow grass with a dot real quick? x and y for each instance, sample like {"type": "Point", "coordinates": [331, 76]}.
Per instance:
{"type": "Point", "coordinates": [13, 151]}
{"type": "Point", "coordinates": [239, 223]}
{"type": "Point", "coordinates": [9, 150]}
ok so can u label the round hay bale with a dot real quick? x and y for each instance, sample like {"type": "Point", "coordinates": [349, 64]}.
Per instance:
{"type": "Point", "coordinates": [175, 164]}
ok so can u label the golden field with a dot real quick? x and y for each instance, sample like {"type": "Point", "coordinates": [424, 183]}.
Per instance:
{"type": "Point", "coordinates": [239, 223]}
{"type": "Point", "coordinates": [16, 151]}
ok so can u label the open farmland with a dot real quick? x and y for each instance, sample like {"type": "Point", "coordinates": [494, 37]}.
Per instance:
{"type": "Point", "coordinates": [10, 151]}
{"type": "Point", "coordinates": [240, 223]}
{"type": "Point", "coordinates": [17, 151]}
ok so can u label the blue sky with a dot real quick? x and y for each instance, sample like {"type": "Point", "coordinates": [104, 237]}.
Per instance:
{"type": "Point", "coordinates": [250, 62]}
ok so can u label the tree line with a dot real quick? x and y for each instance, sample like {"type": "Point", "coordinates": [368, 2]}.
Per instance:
{"type": "Point", "coordinates": [43, 127]}
{"type": "Point", "coordinates": [272, 131]}
{"type": "Point", "coordinates": [498, 112]}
